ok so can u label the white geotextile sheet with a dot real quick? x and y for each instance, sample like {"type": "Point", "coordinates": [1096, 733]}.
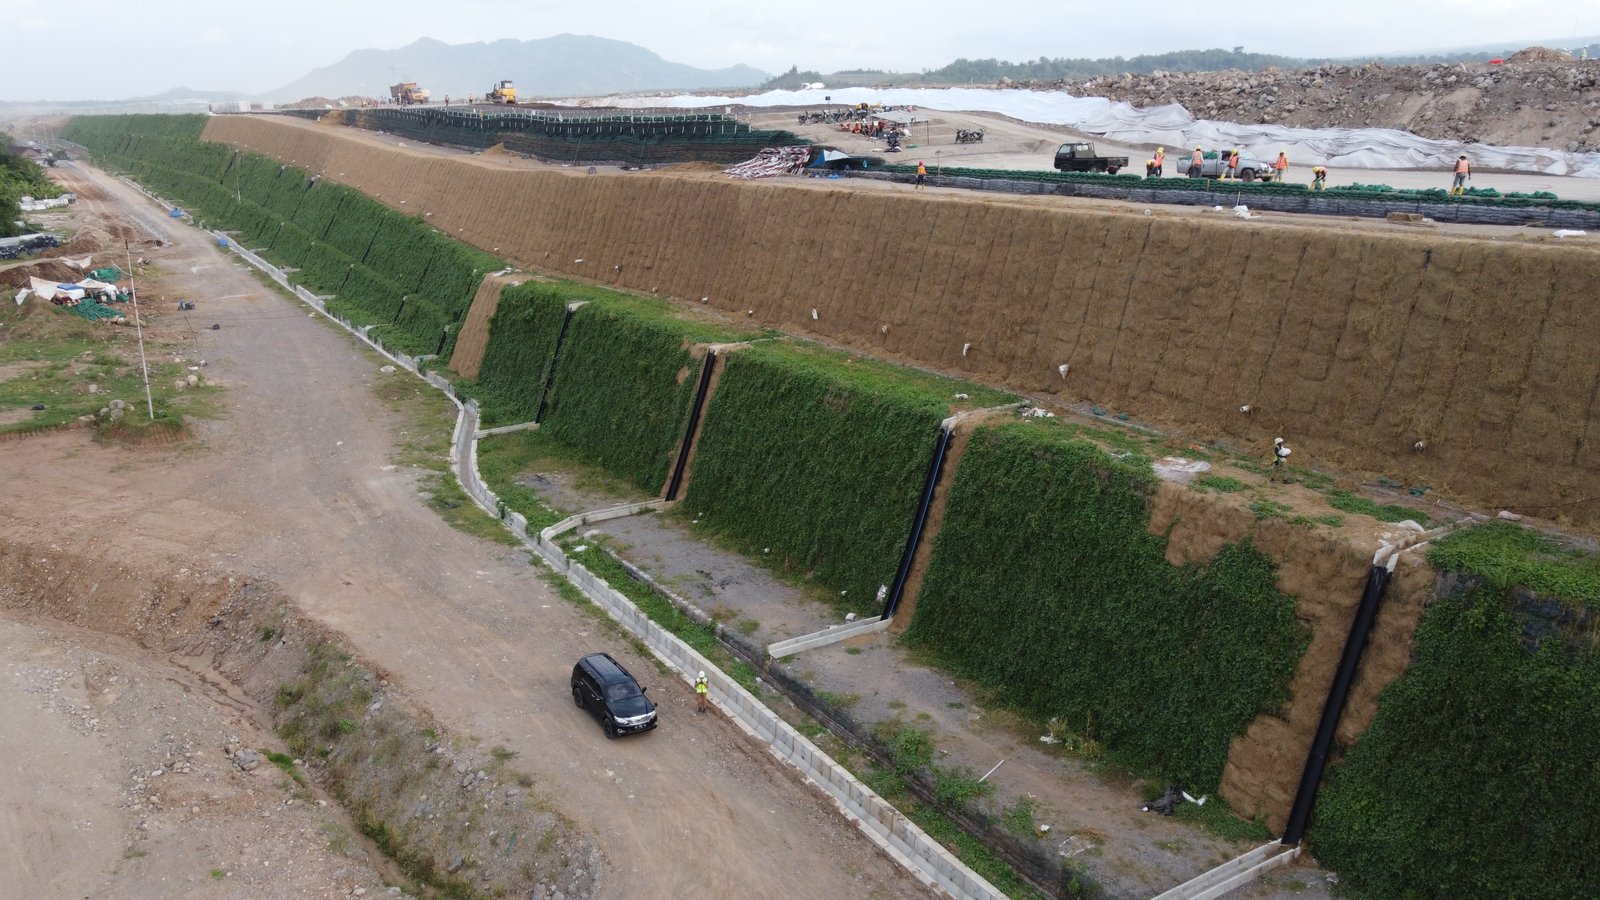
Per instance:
{"type": "Point", "coordinates": [1175, 127]}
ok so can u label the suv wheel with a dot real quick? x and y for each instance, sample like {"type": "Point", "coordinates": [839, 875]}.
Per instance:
{"type": "Point", "coordinates": [610, 727]}
{"type": "Point", "coordinates": [577, 696]}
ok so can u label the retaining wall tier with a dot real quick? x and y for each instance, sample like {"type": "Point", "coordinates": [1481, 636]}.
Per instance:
{"type": "Point", "coordinates": [1353, 344]}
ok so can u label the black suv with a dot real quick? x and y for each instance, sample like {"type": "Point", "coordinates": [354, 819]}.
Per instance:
{"type": "Point", "coordinates": [602, 686]}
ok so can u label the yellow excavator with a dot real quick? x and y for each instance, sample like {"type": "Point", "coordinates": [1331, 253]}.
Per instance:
{"type": "Point", "coordinates": [503, 92]}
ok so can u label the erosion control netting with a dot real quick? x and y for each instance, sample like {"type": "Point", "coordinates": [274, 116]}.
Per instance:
{"type": "Point", "coordinates": [634, 139]}
{"type": "Point", "coordinates": [395, 269]}
{"type": "Point", "coordinates": [1360, 343]}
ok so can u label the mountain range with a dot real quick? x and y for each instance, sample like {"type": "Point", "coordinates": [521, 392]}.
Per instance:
{"type": "Point", "coordinates": [565, 65]}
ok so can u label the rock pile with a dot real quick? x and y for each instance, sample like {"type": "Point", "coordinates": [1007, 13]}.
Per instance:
{"type": "Point", "coordinates": [1537, 98]}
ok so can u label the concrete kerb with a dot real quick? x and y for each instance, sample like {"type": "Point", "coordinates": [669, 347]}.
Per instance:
{"type": "Point", "coordinates": [907, 844]}
{"type": "Point", "coordinates": [833, 634]}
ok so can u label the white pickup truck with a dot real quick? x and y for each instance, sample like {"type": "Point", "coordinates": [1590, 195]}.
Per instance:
{"type": "Point", "coordinates": [1215, 164]}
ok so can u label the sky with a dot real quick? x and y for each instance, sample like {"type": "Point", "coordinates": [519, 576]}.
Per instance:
{"type": "Point", "coordinates": [155, 45]}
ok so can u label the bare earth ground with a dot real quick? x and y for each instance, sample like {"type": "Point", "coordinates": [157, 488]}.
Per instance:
{"type": "Point", "coordinates": [295, 486]}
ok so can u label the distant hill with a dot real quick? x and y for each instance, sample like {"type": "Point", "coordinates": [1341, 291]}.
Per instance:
{"type": "Point", "coordinates": [561, 66]}
{"type": "Point", "coordinates": [989, 71]}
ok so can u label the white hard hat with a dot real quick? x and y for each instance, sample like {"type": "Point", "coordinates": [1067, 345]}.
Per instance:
{"type": "Point", "coordinates": [1277, 440]}
{"type": "Point", "coordinates": [702, 674]}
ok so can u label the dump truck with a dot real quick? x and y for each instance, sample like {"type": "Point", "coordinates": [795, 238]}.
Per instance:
{"type": "Point", "coordinates": [503, 92]}
{"type": "Point", "coordinates": [1080, 157]}
{"type": "Point", "coordinates": [406, 93]}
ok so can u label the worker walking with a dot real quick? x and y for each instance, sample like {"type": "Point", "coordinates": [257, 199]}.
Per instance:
{"type": "Point", "coordinates": [1319, 178]}
{"type": "Point", "coordinates": [1160, 160]}
{"type": "Point", "coordinates": [700, 689]}
{"type": "Point", "coordinates": [1281, 165]}
{"type": "Point", "coordinates": [1196, 163]}
{"type": "Point", "coordinates": [1463, 175]}
{"type": "Point", "coordinates": [1280, 461]}
{"type": "Point", "coordinates": [922, 175]}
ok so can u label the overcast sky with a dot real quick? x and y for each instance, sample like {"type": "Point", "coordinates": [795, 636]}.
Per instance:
{"type": "Point", "coordinates": [111, 49]}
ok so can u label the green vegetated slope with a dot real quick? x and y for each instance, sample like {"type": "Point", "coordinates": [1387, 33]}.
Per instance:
{"type": "Point", "coordinates": [1045, 584]}
{"type": "Point", "coordinates": [384, 267]}
{"type": "Point", "coordinates": [519, 352]}
{"type": "Point", "coordinates": [620, 388]}
{"type": "Point", "coordinates": [1479, 777]}
{"type": "Point", "coordinates": [624, 383]}
{"type": "Point", "coordinates": [813, 460]}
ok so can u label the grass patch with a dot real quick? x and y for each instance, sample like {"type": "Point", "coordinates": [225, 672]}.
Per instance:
{"type": "Point", "coordinates": [286, 763]}
{"type": "Point", "coordinates": [505, 458]}
{"type": "Point", "coordinates": [1509, 555]}
{"type": "Point", "coordinates": [428, 421]}
{"type": "Point", "coordinates": [1220, 484]}
{"type": "Point", "coordinates": [59, 356]}
{"type": "Point", "coordinates": [1216, 817]}
{"type": "Point", "coordinates": [1345, 501]}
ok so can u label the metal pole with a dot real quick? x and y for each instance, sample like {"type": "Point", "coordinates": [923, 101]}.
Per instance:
{"type": "Point", "coordinates": [138, 327]}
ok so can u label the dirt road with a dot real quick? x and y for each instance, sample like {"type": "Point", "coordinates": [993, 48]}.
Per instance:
{"type": "Point", "coordinates": [295, 486]}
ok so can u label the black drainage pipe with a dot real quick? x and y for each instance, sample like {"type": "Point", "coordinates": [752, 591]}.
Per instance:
{"type": "Point", "coordinates": [694, 423]}
{"type": "Point", "coordinates": [935, 467]}
{"type": "Point", "coordinates": [550, 374]}
{"type": "Point", "coordinates": [1333, 709]}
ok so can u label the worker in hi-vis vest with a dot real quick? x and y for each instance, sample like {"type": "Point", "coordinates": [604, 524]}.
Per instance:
{"type": "Point", "coordinates": [1463, 175]}
{"type": "Point", "coordinates": [700, 689]}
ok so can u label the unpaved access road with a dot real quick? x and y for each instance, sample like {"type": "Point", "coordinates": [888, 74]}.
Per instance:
{"type": "Point", "coordinates": [295, 485]}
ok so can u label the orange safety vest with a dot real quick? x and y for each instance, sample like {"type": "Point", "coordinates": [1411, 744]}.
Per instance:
{"type": "Point", "coordinates": [1462, 167]}
{"type": "Point", "coordinates": [1160, 157]}
{"type": "Point", "coordinates": [1233, 161]}
{"type": "Point", "coordinates": [1198, 158]}
{"type": "Point", "coordinates": [922, 169]}
{"type": "Point", "coordinates": [1282, 163]}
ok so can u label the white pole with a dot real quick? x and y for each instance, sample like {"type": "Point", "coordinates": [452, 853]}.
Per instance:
{"type": "Point", "coordinates": [138, 328]}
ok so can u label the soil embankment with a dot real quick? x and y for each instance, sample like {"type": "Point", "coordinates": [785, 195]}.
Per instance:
{"type": "Point", "coordinates": [1358, 345]}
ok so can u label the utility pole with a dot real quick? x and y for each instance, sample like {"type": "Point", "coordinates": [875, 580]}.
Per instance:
{"type": "Point", "coordinates": [138, 328]}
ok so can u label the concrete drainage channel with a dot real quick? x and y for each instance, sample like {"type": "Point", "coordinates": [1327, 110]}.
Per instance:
{"type": "Point", "coordinates": [907, 844]}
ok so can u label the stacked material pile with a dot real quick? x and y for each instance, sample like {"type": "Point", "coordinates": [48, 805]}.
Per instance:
{"type": "Point", "coordinates": [771, 161]}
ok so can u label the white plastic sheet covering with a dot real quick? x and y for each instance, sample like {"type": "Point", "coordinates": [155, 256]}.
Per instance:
{"type": "Point", "coordinates": [1174, 126]}
{"type": "Point", "coordinates": [23, 295]}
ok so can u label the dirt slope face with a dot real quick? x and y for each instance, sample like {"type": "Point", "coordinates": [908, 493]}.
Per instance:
{"type": "Point", "coordinates": [1537, 98]}
{"type": "Point", "coordinates": [1356, 345]}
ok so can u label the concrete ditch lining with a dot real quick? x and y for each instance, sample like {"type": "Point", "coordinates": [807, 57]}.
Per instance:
{"type": "Point", "coordinates": [900, 838]}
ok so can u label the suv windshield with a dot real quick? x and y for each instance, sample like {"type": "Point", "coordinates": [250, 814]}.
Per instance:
{"type": "Point", "coordinates": [621, 691]}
